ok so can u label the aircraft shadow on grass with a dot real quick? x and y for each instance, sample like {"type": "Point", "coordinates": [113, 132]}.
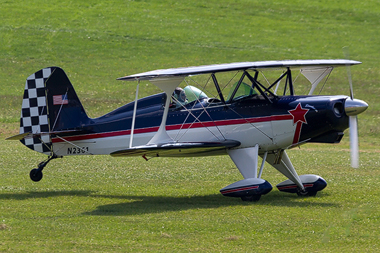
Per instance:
{"type": "Point", "coordinates": [156, 204]}
{"type": "Point", "coordinates": [135, 205]}
{"type": "Point", "coordinates": [42, 194]}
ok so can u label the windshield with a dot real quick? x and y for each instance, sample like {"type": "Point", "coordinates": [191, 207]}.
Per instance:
{"type": "Point", "coordinates": [243, 91]}
{"type": "Point", "coordinates": [193, 93]}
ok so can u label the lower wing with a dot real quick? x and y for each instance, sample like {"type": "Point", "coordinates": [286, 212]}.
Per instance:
{"type": "Point", "coordinates": [179, 149]}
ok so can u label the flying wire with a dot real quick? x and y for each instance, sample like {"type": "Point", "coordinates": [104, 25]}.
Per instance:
{"type": "Point", "coordinates": [258, 129]}
{"type": "Point", "coordinates": [196, 118]}
{"type": "Point", "coordinates": [324, 83]}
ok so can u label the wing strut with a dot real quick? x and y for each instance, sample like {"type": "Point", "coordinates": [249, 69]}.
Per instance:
{"type": "Point", "coordinates": [134, 115]}
{"type": "Point", "coordinates": [237, 86]}
{"type": "Point", "coordinates": [315, 76]}
{"type": "Point", "coordinates": [168, 85]}
{"type": "Point", "coordinates": [289, 79]}
{"type": "Point", "coordinates": [257, 86]}
{"type": "Point", "coordinates": [218, 88]}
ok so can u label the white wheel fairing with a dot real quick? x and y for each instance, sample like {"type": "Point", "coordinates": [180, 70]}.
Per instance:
{"type": "Point", "coordinates": [247, 187]}
{"type": "Point", "coordinates": [311, 183]}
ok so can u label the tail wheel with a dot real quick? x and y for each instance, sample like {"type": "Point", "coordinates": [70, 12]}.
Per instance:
{"type": "Point", "coordinates": [36, 175]}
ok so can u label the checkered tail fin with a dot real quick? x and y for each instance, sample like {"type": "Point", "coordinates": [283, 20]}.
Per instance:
{"type": "Point", "coordinates": [49, 105]}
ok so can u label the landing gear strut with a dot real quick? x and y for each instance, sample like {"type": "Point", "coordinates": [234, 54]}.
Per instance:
{"type": "Point", "coordinates": [36, 174]}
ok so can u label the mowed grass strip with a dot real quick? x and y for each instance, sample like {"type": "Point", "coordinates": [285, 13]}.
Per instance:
{"type": "Point", "coordinates": [103, 204]}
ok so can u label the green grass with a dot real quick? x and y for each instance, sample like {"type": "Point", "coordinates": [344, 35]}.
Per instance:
{"type": "Point", "coordinates": [103, 204]}
{"type": "Point", "coordinates": [107, 204]}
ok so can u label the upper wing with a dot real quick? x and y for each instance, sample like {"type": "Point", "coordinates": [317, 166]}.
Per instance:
{"type": "Point", "coordinates": [208, 69]}
{"type": "Point", "coordinates": [178, 149]}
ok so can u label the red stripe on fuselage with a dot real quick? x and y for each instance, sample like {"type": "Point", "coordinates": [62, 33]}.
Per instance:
{"type": "Point", "coordinates": [105, 135]}
{"type": "Point", "coordinates": [176, 127]}
{"type": "Point", "coordinates": [297, 134]}
{"type": "Point", "coordinates": [292, 186]}
{"type": "Point", "coordinates": [247, 188]}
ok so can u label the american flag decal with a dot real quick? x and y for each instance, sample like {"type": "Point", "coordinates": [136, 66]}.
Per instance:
{"type": "Point", "coordinates": [60, 100]}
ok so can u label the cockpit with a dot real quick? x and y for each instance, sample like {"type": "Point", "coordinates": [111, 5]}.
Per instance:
{"type": "Point", "coordinates": [186, 96]}
{"type": "Point", "coordinates": [191, 96]}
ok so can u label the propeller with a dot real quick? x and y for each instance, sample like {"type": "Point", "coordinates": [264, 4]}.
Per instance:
{"type": "Point", "coordinates": [353, 107]}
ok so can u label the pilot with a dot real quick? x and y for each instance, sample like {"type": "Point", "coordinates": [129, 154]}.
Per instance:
{"type": "Point", "coordinates": [179, 97]}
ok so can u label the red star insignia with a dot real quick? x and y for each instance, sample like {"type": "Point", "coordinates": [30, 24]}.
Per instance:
{"type": "Point", "coordinates": [298, 114]}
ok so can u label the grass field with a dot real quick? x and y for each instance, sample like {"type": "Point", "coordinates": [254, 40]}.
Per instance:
{"type": "Point", "coordinates": [104, 204]}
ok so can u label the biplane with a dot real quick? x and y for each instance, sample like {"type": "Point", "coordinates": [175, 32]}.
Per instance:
{"type": "Point", "coordinates": [245, 117]}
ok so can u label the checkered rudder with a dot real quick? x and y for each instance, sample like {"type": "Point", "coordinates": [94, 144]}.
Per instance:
{"type": "Point", "coordinates": [34, 116]}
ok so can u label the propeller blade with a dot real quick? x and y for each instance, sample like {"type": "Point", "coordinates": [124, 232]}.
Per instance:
{"type": "Point", "coordinates": [350, 81]}
{"type": "Point", "coordinates": [354, 142]}
{"type": "Point", "coordinates": [348, 67]}
{"type": "Point", "coordinates": [353, 107]}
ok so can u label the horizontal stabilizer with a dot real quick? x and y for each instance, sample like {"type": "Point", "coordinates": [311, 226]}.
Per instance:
{"type": "Point", "coordinates": [178, 149]}
{"type": "Point", "coordinates": [18, 137]}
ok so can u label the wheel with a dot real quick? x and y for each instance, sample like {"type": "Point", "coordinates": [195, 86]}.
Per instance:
{"type": "Point", "coordinates": [252, 198]}
{"type": "Point", "coordinates": [306, 193]}
{"type": "Point", "coordinates": [302, 193]}
{"type": "Point", "coordinates": [35, 175]}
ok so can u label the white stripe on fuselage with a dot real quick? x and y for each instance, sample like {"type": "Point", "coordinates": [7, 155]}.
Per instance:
{"type": "Point", "coordinates": [270, 135]}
